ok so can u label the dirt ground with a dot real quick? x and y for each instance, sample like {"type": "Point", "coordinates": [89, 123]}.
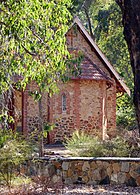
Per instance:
{"type": "Point", "coordinates": [73, 190]}
{"type": "Point", "coordinates": [55, 150]}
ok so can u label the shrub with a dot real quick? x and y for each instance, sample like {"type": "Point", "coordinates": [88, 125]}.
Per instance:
{"type": "Point", "coordinates": [116, 147]}
{"type": "Point", "coordinates": [134, 145]}
{"type": "Point", "coordinates": [81, 144]}
{"type": "Point", "coordinates": [14, 150]}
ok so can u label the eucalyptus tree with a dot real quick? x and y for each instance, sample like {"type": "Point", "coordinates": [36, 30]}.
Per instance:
{"type": "Point", "coordinates": [131, 23]}
{"type": "Point", "coordinates": [32, 41]}
{"type": "Point", "coordinates": [32, 45]}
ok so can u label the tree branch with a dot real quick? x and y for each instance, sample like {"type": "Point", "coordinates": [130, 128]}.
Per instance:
{"type": "Point", "coordinates": [120, 3]}
{"type": "Point", "coordinates": [32, 54]}
{"type": "Point", "coordinates": [87, 4]}
{"type": "Point", "coordinates": [2, 23]}
{"type": "Point", "coordinates": [40, 39]}
{"type": "Point", "coordinates": [89, 23]}
{"type": "Point", "coordinates": [34, 33]}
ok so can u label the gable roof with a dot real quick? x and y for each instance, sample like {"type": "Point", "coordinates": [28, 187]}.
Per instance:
{"type": "Point", "coordinates": [102, 56]}
{"type": "Point", "coordinates": [90, 71]}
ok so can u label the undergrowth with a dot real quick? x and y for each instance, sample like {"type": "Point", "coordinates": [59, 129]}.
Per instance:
{"type": "Point", "coordinates": [82, 144]}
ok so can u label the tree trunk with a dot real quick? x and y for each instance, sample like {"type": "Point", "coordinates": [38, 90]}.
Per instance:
{"type": "Point", "coordinates": [41, 145]}
{"type": "Point", "coordinates": [48, 118]}
{"type": "Point", "coordinates": [131, 22]}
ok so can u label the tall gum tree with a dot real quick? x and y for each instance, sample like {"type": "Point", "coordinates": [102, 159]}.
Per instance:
{"type": "Point", "coordinates": [131, 22]}
{"type": "Point", "coordinates": [32, 46]}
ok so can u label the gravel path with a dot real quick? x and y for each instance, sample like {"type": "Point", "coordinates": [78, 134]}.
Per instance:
{"type": "Point", "coordinates": [76, 190]}
{"type": "Point", "coordinates": [100, 190]}
{"type": "Point", "coordinates": [56, 151]}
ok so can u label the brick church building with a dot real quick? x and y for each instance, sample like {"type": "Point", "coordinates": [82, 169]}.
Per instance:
{"type": "Point", "coordinates": [86, 102]}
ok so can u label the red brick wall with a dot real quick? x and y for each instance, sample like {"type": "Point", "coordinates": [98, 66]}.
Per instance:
{"type": "Point", "coordinates": [111, 110]}
{"type": "Point", "coordinates": [84, 109]}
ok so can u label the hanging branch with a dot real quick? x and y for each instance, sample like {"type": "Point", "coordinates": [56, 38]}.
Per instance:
{"type": "Point", "coordinates": [89, 23]}
{"type": "Point", "coordinates": [32, 54]}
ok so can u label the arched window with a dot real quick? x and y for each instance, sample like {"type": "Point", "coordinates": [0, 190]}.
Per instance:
{"type": "Point", "coordinates": [64, 104]}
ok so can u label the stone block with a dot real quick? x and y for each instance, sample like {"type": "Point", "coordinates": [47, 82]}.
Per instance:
{"type": "Point", "coordinates": [51, 170]}
{"type": "Point", "coordinates": [122, 177]}
{"type": "Point", "coordinates": [114, 177]}
{"type": "Point", "coordinates": [96, 175]}
{"type": "Point", "coordinates": [138, 181]}
{"type": "Point", "coordinates": [56, 179]}
{"type": "Point", "coordinates": [93, 165]}
{"type": "Point", "coordinates": [125, 167]}
{"type": "Point", "coordinates": [105, 164]}
{"type": "Point", "coordinates": [131, 182]}
{"type": "Point", "coordinates": [138, 170]}
{"type": "Point", "coordinates": [85, 179]}
{"type": "Point", "coordinates": [86, 166]}
{"type": "Point", "coordinates": [133, 173]}
{"type": "Point", "coordinates": [109, 170]}
{"type": "Point", "coordinates": [57, 164]}
{"type": "Point", "coordinates": [99, 163]}
{"type": "Point", "coordinates": [45, 171]}
{"type": "Point", "coordinates": [105, 181]}
{"type": "Point", "coordinates": [103, 173]}
{"type": "Point", "coordinates": [68, 181]}
{"type": "Point", "coordinates": [65, 175]}
{"type": "Point", "coordinates": [69, 173]}
{"type": "Point", "coordinates": [116, 167]}
{"type": "Point", "coordinates": [59, 172]}
{"type": "Point", "coordinates": [65, 166]}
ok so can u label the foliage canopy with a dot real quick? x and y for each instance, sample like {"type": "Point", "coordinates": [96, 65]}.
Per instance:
{"type": "Point", "coordinates": [32, 42]}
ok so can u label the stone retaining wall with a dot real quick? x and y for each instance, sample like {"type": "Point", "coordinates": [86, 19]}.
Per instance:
{"type": "Point", "coordinates": [88, 170]}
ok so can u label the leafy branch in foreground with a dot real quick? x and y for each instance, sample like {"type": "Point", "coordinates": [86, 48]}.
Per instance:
{"type": "Point", "coordinates": [33, 41]}
{"type": "Point", "coordinates": [33, 47]}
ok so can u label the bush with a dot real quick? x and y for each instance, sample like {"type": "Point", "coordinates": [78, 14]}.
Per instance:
{"type": "Point", "coordinates": [81, 144]}
{"type": "Point", "coordinates": [134, 145]}
{"type": "Point", "coordinates": [14, 150]}
{"type": "Point", "coordinates": [116, 147]}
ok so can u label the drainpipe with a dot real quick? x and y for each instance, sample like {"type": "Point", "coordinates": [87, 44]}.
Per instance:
{"type": "Point", "coordinates": [104, 110]}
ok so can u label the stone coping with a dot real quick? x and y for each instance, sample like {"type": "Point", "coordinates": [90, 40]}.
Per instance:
{"type": "Point", "coordinates": [90, 159]}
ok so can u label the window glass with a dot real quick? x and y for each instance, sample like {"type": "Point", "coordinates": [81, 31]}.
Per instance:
{"type": "Point", "coordinates": [63, 103]}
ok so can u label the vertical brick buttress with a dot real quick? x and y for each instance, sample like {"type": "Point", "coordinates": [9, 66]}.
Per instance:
{"type": "Point", "coordinates": [77, 104]}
